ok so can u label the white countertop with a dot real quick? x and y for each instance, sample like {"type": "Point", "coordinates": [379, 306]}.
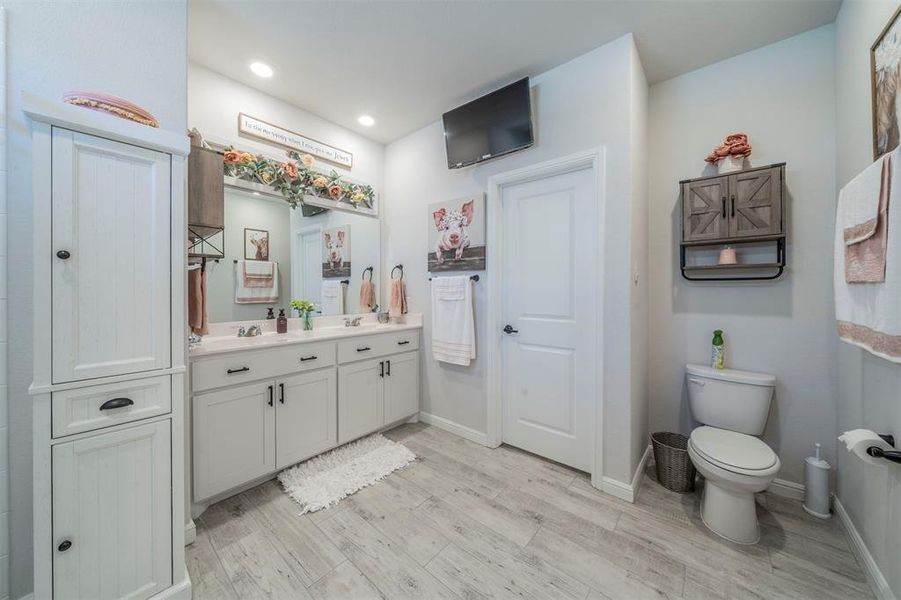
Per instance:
{"type": "Point", "coordinates": [218, 343]}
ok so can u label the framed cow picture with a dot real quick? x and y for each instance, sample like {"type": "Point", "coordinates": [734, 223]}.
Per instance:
{"type": "Point", "coordinates": [885, 81]}
{"type": "Point", "coordinates": [256, 244]}
{"type": "Point", "coordinates": [457, 235]}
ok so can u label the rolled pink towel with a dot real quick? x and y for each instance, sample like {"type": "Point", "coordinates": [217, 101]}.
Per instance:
{"type": "Point", "coordinates": [367, 296]}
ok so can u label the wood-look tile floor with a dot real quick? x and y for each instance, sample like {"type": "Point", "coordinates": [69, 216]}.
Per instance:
{"type": "Point", "coordinates": [469, 522]}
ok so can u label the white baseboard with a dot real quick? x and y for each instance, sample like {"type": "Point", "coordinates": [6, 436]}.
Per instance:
{"type": "Point", "coordinates": [190, 533]}
{"type": "Point", "coordinates": [627, 491]}
{"type": "Point", "coordinates": [874, 576]}
{"type": "Point", "coordinates": [787, 489]}
{"type": "Point", "coordinates": [446, 424]}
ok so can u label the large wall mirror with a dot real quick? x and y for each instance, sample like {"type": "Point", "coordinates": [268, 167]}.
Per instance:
{"type": "Point", "coordinates": [311, 254]}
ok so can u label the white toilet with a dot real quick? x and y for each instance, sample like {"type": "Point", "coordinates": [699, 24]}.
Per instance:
{"type": "Point", "coordinates": [732, 407]}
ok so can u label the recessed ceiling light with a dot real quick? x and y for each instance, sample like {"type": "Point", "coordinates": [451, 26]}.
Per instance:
{"type": "Point", "coordinates": [261, 69]}
{"type": "Point", "coordinates": [365, 120]}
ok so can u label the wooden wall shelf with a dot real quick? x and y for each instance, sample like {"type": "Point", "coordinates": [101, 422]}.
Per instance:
{"type": "Point", "coordinates": [739, 208]}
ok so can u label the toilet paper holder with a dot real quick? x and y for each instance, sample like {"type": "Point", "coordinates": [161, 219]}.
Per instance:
{"type": "Point", "coordinates": [892, 455]}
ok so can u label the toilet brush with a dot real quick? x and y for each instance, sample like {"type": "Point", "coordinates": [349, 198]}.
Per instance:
{"type": "Point", "coordinates": [816, 490]}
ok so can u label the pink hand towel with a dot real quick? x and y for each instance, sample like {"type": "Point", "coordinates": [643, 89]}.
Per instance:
{"type": "Point", "coordinates": [398, 304]}
{"type": "Point", "coordinates": [367, 296]}
{"type": "Point", "coordinates": [197, 317]}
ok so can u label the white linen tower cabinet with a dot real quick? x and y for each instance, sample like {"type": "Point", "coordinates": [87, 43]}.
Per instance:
{"type": "Point", "coordinates": [109, 356]}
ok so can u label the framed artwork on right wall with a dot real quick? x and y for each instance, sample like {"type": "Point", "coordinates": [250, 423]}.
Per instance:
{"type": "Point", "coordinates": [885, 81]}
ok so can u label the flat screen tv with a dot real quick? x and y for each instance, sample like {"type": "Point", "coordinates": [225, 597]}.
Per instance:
{"type": "Point", "coordinates": [493, 125]}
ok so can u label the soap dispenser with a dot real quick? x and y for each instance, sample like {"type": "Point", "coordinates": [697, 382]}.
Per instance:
{"type": "Point", "coordinates": [281, 324]}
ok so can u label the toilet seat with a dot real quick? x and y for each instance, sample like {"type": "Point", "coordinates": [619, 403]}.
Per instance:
{"type": "Point", "coordinates": [733, 451]}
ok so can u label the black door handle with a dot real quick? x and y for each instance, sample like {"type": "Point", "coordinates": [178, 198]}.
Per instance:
{"type": "Point", "coordinates": [388, 370]}
{"type": "Point", "coordinates": [63, 255]}
{"type": "Point", "coordinates": [733, 206]}
{"type": "Point", "coordinates": [382, 373]}
{"type": "Point", "coordinates": [364, 349]}
{"type": "Point", "coordinates": [509, 329]}
{"type": "Point", "coordinates": [241, 370]}
{"type": "Point", "coordinates": [116, 403]}
{"type": "Point", "coordinates": [271, 394]}
{"type": "Point", "coordinates": [65, 545]}
{"type": "Point", "coordinates": [724, 207]}
{"type": "Point", "coordinates": [306, 358]}
{"type": "Point", "coordinates": [281, 393]}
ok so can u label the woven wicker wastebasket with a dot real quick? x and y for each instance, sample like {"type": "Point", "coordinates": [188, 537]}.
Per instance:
{"type": "Point", "coordinates": [675, 470]}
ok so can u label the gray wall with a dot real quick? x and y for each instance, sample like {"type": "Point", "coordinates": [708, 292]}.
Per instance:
{"type": "Point", "coordinates": [868, 387]}
{"type": "Point", "coordinates": [782, 97]}
{"type": "Point", "coordinates": [254, 212]}
{"type": "Point", "coordinates": [136, 50]}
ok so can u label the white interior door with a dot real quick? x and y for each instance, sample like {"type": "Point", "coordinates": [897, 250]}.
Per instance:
{"type": "Point", "coordinates": [548, 347]}
{"type": "Point", "coordinates": [307, 264]}
{"type": "Point", "coordinates": [110, 258]}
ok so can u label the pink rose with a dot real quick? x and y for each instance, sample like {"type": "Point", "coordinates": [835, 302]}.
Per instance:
{"type": "Point", "coordinates": [232, 157]}
{"type": "Point", "coordinates": [290, 170]}
{"type": "Point", "coordinates": [335, 190]}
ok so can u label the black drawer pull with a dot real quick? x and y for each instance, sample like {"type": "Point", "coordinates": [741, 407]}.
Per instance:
{"type": "Point", "coordinates": [65, 545]}
{"type": "Point", "coordinates": [306, 358]}
{"type": "Point", "coordinates": [63, 255]}
{"type": "Point", "coordinates": [241, 370]}
{"type": "Point", "coordinates": [364, 349]}
{"type": "Point", "coordinates": [403, 343]}
{"type": "Point", "coordinates": [116, 403]}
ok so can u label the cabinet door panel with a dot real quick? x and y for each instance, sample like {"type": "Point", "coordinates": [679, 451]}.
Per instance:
{"type": "Point", "coordinates": [234, 437]}
{"type": "Point", "coordinates": [361, 400]}
{"type": "Point", "coordinates": [112, 502]}
{"type": "Point", "coordinates": [703, 209]}
{"type": "Point", "coordinates": [111, 215]}
{"type": "Point", "coordinates": [755, 203]}
{"type": "Point", "coordinates": [401, 386]}
{"type": "Point", "coordinates": [306, 416]}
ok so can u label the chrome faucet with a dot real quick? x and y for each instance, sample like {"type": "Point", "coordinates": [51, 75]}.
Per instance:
{"type": "Point", "coordinates": [252, 331]}
{"type": "Point", "coordinates": [355, 322]}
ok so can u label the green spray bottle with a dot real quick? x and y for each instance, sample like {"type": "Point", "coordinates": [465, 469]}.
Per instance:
{"type": "Point", "coordinates": [717, 358]}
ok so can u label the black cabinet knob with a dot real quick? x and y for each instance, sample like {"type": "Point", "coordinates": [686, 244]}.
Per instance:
{"type": "Point", "coordinates": [509, 329]}
{"type": "Point", "coordinates": [65, 545]}
{"type": "Point", "coordinates": [63, 254]}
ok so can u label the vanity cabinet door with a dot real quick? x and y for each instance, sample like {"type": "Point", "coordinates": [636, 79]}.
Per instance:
{"type": "Point", "coordinates": [110, 258]}
{"type": "Point", "coordinates": [234, 437]}
{"type": "Point", "coordinates": [112, 514]}
{"type": "Point", "coordinates": [361, 399]}
{"type": "Point", "coordinates": [306, 416]}
{"type": "Point", "coordinates": [401, 386]}
{"type": "Point", "coordinates": [704, 209]}
{"type": "Point", "coordinates": [755, 203]}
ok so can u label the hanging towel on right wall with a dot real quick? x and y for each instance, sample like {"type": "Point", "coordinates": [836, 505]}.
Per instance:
{"type": "Point", "coordinates": [453, 325]}
{"type": "Point", "coordinates": [868, 303]}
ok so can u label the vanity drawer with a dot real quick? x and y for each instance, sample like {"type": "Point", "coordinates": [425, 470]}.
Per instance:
{"type": "Point", "coordinates": [383, 344]}
{"type": "Point", "coordinates": [99, 406]}
{"type": "Point", "coordinates": [252, 365]}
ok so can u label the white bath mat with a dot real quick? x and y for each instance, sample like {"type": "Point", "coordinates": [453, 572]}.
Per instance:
{"type": "Point", "coordinates": [324, 480]}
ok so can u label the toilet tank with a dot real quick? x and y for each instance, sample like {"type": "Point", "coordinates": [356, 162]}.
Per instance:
{"type": "Point", "coordinates": [730, 399]}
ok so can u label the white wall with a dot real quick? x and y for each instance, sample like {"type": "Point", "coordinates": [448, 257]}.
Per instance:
{"type": "Point", "coordinates": [136, 50]}
{"type": "Point", "coordinates": [214, 102]}
{"type": "Point", "coordinates": [868, 387]}
{"type": "Point", "coordinates": [585, 103]}
{"type": "Point", "coordinates": [782, 96]}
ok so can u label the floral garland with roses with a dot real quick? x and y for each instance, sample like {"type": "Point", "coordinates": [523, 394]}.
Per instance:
{"type": "Point", "coordinates": [296, 178]}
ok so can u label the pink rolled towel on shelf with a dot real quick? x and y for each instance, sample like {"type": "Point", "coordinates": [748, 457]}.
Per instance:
{"type": "Point", "coordinates": [197, 316]}
{"type": "Point", "coordinates": [866, 241]}
{"type": "Point", "coordinates": [398, 304]}
{"type": "Point", "coordinates": [367, 296]}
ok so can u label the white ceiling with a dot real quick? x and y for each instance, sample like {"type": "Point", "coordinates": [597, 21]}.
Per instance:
{"type": "Point", "coordinates": [406, 63]}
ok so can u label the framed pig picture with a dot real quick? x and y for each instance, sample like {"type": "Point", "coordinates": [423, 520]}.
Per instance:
{"type": "Point", "coordinates": [336, 252]}
{"type": "Point", "coordinates": [885, 81]}
{"type": "Point", "coordinates": [457, 235]}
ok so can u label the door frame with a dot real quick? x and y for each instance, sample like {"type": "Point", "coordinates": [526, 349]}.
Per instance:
{"type": "Point", "coordinates": [297, 234]}
{"type": "Point", "coordinates": [594, 159]}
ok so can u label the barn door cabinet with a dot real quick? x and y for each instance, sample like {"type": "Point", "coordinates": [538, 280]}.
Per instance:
{"type": "Point", "coordinates": [740, 209]}
{"type": "Point", "coordinates": [109, 356]}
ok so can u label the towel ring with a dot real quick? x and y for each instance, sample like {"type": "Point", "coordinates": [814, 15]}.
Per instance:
{"type": "Point", "coordinates": [363, 274]}
{"type": "Point", "coordinates": [396, 267]}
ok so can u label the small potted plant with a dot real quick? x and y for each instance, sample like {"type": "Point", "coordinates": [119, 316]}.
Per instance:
{"type": "Point", "coordinates": [304, 310]}
{"type": "Point", "coordinates": [731, 154]}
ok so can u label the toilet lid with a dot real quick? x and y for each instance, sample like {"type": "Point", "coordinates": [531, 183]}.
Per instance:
{"type": "Point", "coordinates": [733, 449]}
